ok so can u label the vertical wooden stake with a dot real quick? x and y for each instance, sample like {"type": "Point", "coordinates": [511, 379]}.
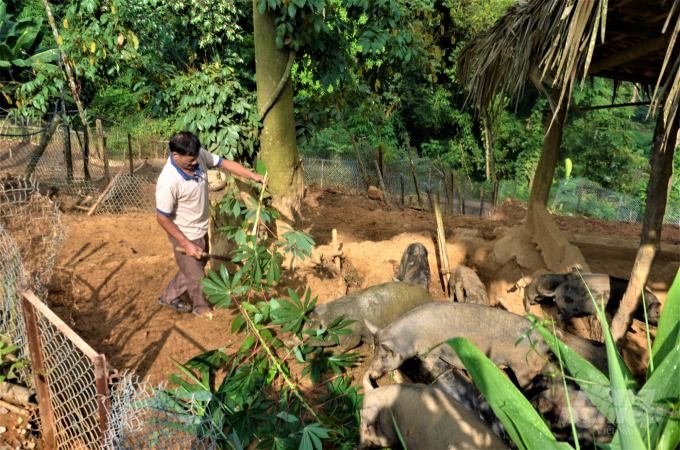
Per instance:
{"type": "Point", "coordinates": [462, 200]}
{"type": "Point", "coordinates": [443, 254]}
{"type": "Point", "coordinates": [580, 193]}
{"type": "Point", "coordinates": [39, 372]}
{"type": "Point", "coordinates": [102, 385]}
{"type": "Point", "coordinates": [494, 196]}
{"type": "Point", "coordinates": [102, 149]}
{"type": "Point", "coordinates": [380, 179]}
{"type": "Point", "coordinates": [481, 202]}
{"type": "Point", "coordinates": [401, 180]}
{"type": "Point", "coordinates": [336, 248]}
{"type": "Point", "coordinates": [446, 187]}
{"type": "Point", "coordinates": [132, 167]}
{"type": "Point", "coordinates": [361, 164]}
{"type": "Point", "coordinates": [86, 154]}
{"type": "Point", "coordinates": [413, 171]}
{"type": "Point", "coordinates": [453, 194]}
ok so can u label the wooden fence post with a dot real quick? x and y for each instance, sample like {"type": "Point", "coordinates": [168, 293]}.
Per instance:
{"type": "Point", "coordinates": [443, 253]}
{"type": "Point", "coordinates": [40, 375]}
{"type": "Point", "coordinates": [413, 171]}
{"type": "Point", "coordinates": [580, 193]}
{"type": "Point", "coordinates": [102, 385]}
{"type": "Point", "coordinates": [481, 202]}
{"type": "Point", "coordinates": [132, 168]}
{"type": "Point", "coordinates": [102, 149]}
{"type": "Point", "coordinates": [462, 200]}
{"type": "Point", "coordinates": [401, 180]}
{"type": "Point", "coordinates": [453, 194]}
{"type": "Point", "coordinates": [446, 187]}
{"type": "Point", "coordinates": [86, 154]}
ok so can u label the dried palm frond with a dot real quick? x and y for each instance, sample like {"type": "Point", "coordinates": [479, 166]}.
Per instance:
{"type": "Point", "coordinates": [549, 40]}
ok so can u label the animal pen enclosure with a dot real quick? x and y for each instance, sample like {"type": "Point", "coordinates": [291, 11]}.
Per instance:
{"type": "Point", "coordinates": [82, 403]}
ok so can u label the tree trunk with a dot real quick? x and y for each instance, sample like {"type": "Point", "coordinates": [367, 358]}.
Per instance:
{"type": "Point", "coordinates": [38, 152]}
{"type": "Point", "coordinates": [69, 73]}
{"type": "Point", "coordinates": [650, 240]}
{"type": "Point", "coordinates": [278, 141]}
{"type": "Point", "coordinates": [542, 180]}
{"type": "Point", "coordinates": [361, 164]}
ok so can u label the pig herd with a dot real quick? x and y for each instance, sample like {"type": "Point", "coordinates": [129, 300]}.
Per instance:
{"type": "Point", "coordinates": [406, 327]}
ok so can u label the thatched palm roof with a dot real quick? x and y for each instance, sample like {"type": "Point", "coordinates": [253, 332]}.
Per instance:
{"type": "Point", "coordinates": [558, 41]}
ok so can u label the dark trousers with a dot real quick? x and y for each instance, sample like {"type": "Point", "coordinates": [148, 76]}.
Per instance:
{"type": "Point", "coordinates": [190, 271]}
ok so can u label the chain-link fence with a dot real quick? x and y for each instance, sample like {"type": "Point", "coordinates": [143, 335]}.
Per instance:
{"type": "Point", "coordinates": [580, 196]}
{"type": "Point", "coordinates": [149, 417]}
{"type": "Point", "coordinates": [576, 196]}
{"type": "Point", "coordinates": [83, 166]}
{"type": "Point", "coordinates": [397, 177]}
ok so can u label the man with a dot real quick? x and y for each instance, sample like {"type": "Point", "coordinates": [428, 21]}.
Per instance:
{"type": "Point", "coordinates": [182, 211]}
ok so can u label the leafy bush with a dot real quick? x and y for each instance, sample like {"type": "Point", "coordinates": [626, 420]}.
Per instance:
{"type": "Point", "coordinates": [214, 106]}
{"type": "Point", "coordinates": [260, 401]}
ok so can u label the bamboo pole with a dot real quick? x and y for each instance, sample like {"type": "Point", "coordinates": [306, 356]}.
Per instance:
{"type": "Point", "coordinates": [102, 149]}
{"type": "Point", "coordinates": [101, 197]}
{"type": "Point", "coordinates": [413, 170]}
{"type": "Point", "coordinates": [380, 179]}
{"type": "Point", "coordinates": [453, 193]}
{"type": "Point", "coordinates": [361, 164]}
{"type": "Point", "coordinates": [481, 202]}
{"type": "Point", "coordinates": [446, 187]}
{"type": "Point", "coordinates": [132, 167]}
{"type": "Point", "coordinates": [441, 238]}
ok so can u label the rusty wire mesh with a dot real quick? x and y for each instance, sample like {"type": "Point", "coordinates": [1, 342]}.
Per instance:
{"type": "Point", "coordinates": [34, 222]}
{"type": "Point", "coordinates": [70, 377]}
{"type": "Point", "coordinates": [151, 417]}
{"type": "Point", "coordinates": [12, 319]}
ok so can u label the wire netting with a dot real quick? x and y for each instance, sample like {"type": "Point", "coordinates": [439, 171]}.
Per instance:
{"type": "Point", "coordinates": [12, 320]}
{"type": "Point", "coordinates": [575, 197]}
{"type": "Point", "coordinates": [34, 222]}
{"type": "Point", "coordinates": [70, 377]}
{"type": "Point", "coordinates": [87, 167]}
{"type": "Point", "coordinates": [580, 196]}
{"type": "Point", "coordinates": [151, 417]}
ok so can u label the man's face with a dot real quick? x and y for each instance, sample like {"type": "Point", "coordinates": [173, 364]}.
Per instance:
{"type": "Point", "coordinates": [184, 162]}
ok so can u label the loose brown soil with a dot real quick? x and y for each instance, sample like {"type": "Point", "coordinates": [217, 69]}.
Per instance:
{"type": "Point", "coordinates": [113, 269]}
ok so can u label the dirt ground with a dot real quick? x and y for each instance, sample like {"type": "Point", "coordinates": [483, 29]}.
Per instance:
{"type": "Point", "coordinates": [114, 267]}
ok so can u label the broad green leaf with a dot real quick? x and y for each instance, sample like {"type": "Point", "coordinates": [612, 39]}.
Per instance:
{"type": "Point", "coordinates": [668, 331]}
{"type": "Point", "coordinates": [499, 391]}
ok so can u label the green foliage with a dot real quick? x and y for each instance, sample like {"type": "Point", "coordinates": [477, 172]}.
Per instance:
{"type": "Point", "coordinates": [214, 105]}
{"type": "Point", "coordinates": [259, 400]}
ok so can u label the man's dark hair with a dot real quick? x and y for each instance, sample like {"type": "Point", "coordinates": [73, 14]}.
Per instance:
{"type": "Point", "coordinates": [185, 143]}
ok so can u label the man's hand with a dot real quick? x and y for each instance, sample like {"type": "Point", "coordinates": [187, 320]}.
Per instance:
{"type": "Point", "coordinates": [259, 179]}
{"type": "Point", "coordinates": [192, 250]}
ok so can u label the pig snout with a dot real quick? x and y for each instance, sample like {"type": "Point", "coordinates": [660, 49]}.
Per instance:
{"type": "Point", "coordinates": [654, 313]}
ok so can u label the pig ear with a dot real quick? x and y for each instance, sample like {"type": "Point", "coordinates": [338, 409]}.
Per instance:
{"type": "Point", "coordinates": [372, 328]}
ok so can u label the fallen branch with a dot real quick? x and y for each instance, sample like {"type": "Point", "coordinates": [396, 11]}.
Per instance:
{"type": "Point", "coordinates": [101, 197]}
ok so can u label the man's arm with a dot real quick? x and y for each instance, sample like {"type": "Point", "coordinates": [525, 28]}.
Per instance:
{"type": "Point", "coordinates": [237, 169]}
{"type": "Point", "coordinates": [170, 227]}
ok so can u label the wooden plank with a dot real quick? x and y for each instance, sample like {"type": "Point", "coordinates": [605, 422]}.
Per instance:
{"type": "Point", "coordinates": [617, 243]}
{"type": "Point", "coordinates": [38, 364]}
{"type": "Point", "coordinates": [59, 324]}
{"type": "Point", "coordinates": [101, 378]}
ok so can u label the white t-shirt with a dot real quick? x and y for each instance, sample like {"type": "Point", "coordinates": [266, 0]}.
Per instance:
{"type": "Point", "coordinates": [184, 198]}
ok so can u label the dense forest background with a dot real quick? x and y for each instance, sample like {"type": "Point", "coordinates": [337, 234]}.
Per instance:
{"type": "Point", "coordinates": [160, 66]}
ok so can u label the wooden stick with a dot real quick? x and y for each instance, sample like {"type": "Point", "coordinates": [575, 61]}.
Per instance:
{"type": "Point", "coordinates": [443, 254]}
{"type": "Point", "coordinates": [481, 202]}
{"type": "Point", "coordinates": [130, 154]}
{"type": "Point", "coordinates": [101, 197]}
{"type": "Point", "coordinates": [446, 186]}
{"type": "Point", "coordinates": [335, 248]}
{"type": "Point", "coordinates": [14, 409]}
{"type": "Point", "coordinates": [102, 149]}
{"type": "Point", "coordinates": [380, 179]}
{"type": "Point", "coordinates": [413, 171]}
